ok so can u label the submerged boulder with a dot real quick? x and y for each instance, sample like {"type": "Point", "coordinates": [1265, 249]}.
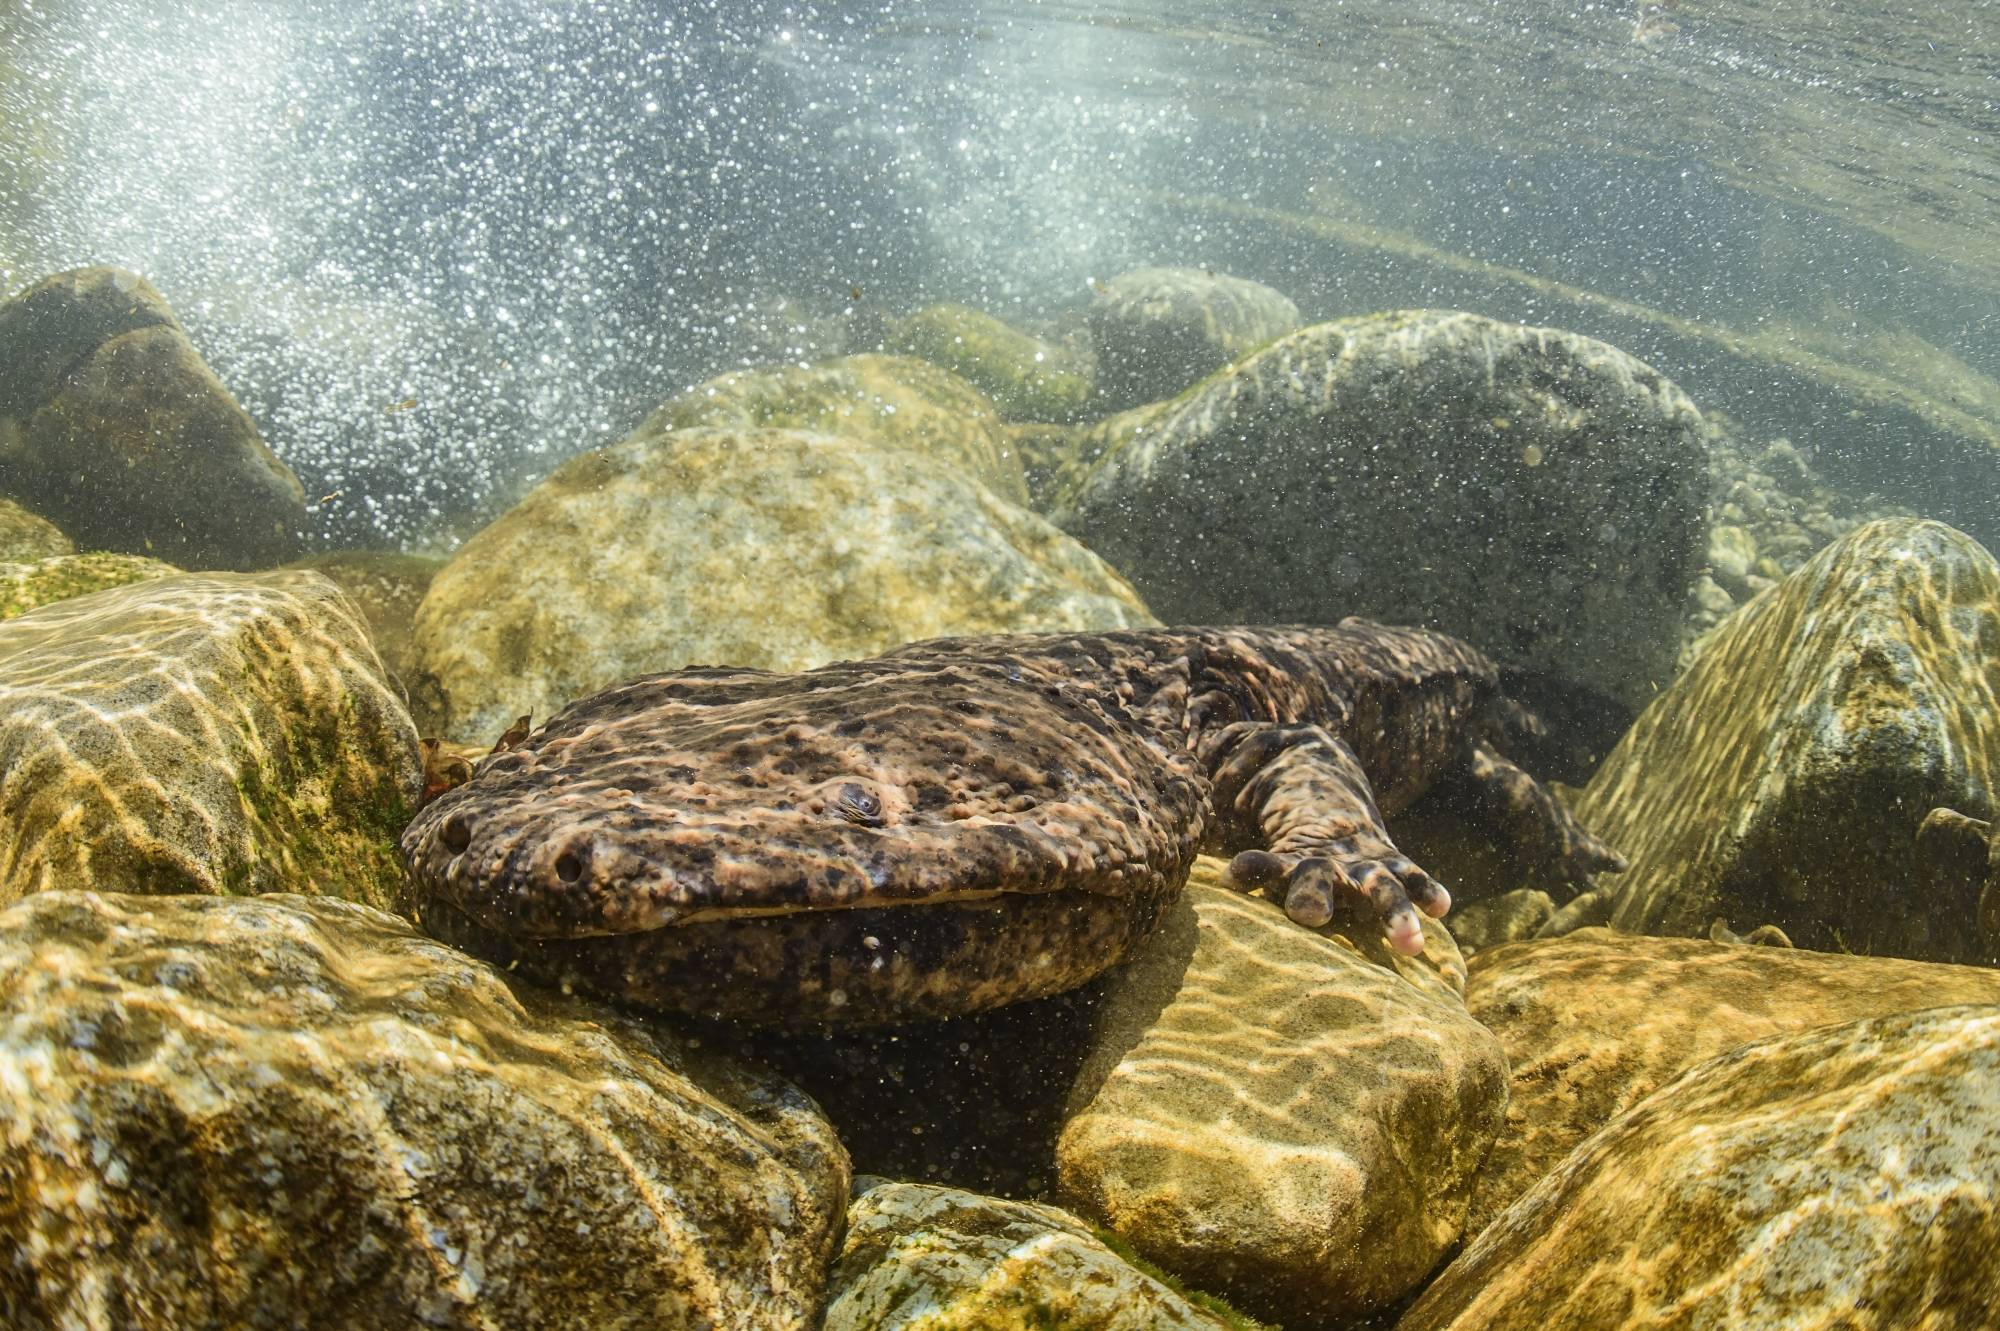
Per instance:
{"type": "Point", "coordinates": [1157, 330]}
{"type": "Point", "coordinates": [1781, 779]}
{"type": "Point", "coordinates": [225, 732]}
{"type": "Point", "coordinates": [779, 549]}
{"type": "Point", "coordinates": [299, 1113]}
{"type": "Point", "coordinates": [1843, 1177]}
{"type": "Point", "coordinates": [113, 426]}
{"type": "Point", "coordinates": [1279, 1115]}
{"type": "Point", "coordinates": [1029, 379]}
{"type": "Point", "coordinates": [1534, 492]}
{"type": "Point", "coordinates": [891, 403]}
{"type": "Point", "coordinates": [922, 1258]}
{"type": "Point", "coordinates": [1595, 1022]}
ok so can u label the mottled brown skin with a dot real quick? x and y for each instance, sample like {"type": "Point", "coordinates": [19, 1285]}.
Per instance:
{"type": "Point", "coordinates": [964, 822]}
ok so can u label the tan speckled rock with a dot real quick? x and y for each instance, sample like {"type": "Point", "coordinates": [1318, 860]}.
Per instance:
{"type": "Point", "coordinates": [288, 1112]}
{"type": "Point", "coordinates": [26, 537]}
{"type": "Point", "coordinates": [1595, 1022]}
{"type": "Point", "coordinates": [892, 402]}
{"type": "Point", "coordinates": [921, 1258]}
{"type": "Point", "coordinates": [1844, 1178]}
{"type": "Point", "coordinates": [780, 549]}
{"type": "Point", "coordinates": [1781, 779]}
{"type": "Point", "coordinates": [213, 733]}
{"type": "Point", "coordinates": [113, 426]}
{"type": "Point", "coordinates": [29, 586]}
{"type": "Point", "coordinates": [1279, 1116]}
{"type": "Point", "coordinates": [1538, 493]}
{"type": "Point", "coordinates": [1157, 330]}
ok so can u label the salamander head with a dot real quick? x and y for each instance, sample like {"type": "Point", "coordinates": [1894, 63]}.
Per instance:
{"type": "Point", "coordinates": [705, 795]}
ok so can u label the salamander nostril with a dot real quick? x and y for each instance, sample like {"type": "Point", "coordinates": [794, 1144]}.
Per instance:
{"type": "Point", "coordinates": [569, 868]}
{"type": "Point", "coordinates": [456, 834]}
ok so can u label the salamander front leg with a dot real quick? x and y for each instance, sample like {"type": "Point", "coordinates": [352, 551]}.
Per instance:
{"type": "Point", "coordinates": [1301, 790]}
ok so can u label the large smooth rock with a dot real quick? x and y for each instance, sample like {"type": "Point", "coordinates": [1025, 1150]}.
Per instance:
{"type": "Point", "coordinates": [1846, 1177]}
{"type": "Point", "coordinates": [1029, 379]}
{"type": "Point", "coordinates": [891, 402]}
{"type": "Point", "coordinates": [112, 426]}
{"type": "Point", "coordinates": [298, 1113]}
{"type": "Point", "coordinates": [204, 733]}
{"type": "Point", "coordinates": [1157, 330]}
{"type": "Point", "coordinates": [1595, 1022]}
{"type": "Point", "coordinates": [1781, 779]}
{"type": "Point", "coordinates": [781, 549]}
{"type": "Point", "coordinates": [1534, 492]}
{"type": "Point", "coordinates": [922, 1258]}
{"type": "Point", "coordinates": [1280, 1116]}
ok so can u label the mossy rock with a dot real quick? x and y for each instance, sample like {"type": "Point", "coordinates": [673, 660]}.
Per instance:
{"type": "Point", "coordinates": [1027, 378]}
{"type": "Point", "coordinates": [26, 536]}
{"type": "Point", "coordinates": [29, 586]}
{"type": "Point", "coordinates": [1781, 778]}
{"type": "Point", "coordinates": [776, 549]}
{"type": "Point", "coordinates": [1536, 493]}
{"type": "Point", "coordinates": [891, 402]}
{"type": "Point", "coordinates": [1840, 1177]}
{"type": "Point", "coordinates": [293, 1112]}
{"type": "Point", "coordinates": [924, 1258]}
{"type": "Point", "coordinates": [215, 734]}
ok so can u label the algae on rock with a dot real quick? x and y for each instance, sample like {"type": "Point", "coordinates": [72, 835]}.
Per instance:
{"type": "Point", "coordinates": [1027, 378]}
{"type": "Point", "coordinates": [27, 536]}
{"type": "Point", "coordinates": [777, 549]}
{"type": "Point", "coordinates": [1844, 1177]}
{"type": "Point", "coordinates": [1782, 777]}
{"type": "Point", "coordinates": [1595, 1021]}
{"type": "Point", "coordinates": [29, 586]}
{"type": "Point", "coordinates": [924, 1258]}
{"type": "Point", "coordinates": [223, 733]}
{"type": "Point", "coordinates": [298, 1112]}
{"type": "Point", "coordinates": [1539, 494]}
{"type": "Point", "coordinates": [1291, 1119]}
{"type": "Point", "coordinates": [889, 402]}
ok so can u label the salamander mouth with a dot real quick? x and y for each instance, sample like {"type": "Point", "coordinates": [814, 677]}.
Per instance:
{"type": "Point", "coordinates": [592, 878]}
{"type": "Point", "coordinates": [813, 969]}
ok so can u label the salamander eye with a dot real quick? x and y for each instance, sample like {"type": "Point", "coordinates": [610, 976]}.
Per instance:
{"type": "Point", "coordinates": [858, 805]}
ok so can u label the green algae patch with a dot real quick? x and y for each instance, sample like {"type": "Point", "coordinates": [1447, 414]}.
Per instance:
{"type": "Point", "coordinates": [1028, 378]}
{"type": "Point", "coordinates": [36, 583]}
{"type": "Point", "coordinates": [325, 809]}
{"type": "Point", "coordinates": [1209, 1303]}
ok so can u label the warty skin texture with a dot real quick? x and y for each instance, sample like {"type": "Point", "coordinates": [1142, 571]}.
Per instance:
{"type": "Point", "coordinates": [964, 822]}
